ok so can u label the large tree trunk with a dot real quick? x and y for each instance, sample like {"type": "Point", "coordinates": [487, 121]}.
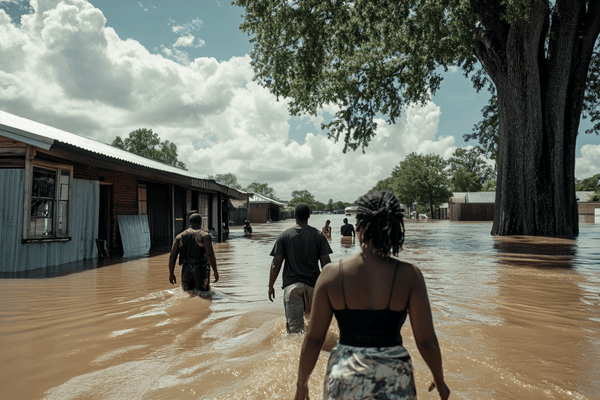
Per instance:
{"type": "Point", "coordinates": [540, 97]}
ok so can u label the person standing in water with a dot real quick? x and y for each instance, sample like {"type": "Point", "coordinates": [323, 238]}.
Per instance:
{"type": "Point", "coordinates": [302, 247]}
{"type": "Point", "coordinates": [347, 229]}
{"type": "Point", "coordinates": [327, 230]}
{"type": "Point", "coordinates": [247, 227]}
{"type": "Point", "coordinates": [371, 293]}
{"type": "Point", "coordinates": [196, 257]}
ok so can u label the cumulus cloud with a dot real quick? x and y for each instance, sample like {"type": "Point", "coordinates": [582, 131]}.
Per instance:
{"type": "Point", "coordinates": [188, 41]}
{"type": "Point", "coordinates": [187, 27]}
{"type": "Point", "coordinates": [64, 67]}
{"type": "Point", "coordinates": [589, 163]}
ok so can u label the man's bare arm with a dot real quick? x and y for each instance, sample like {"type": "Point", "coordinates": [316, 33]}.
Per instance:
{"type": "Point", "coordinates": [210, 255]}
{"type": "Point", "coordinates": [172, 260]}
{"type": "Point", "coordinates": [275, 268]}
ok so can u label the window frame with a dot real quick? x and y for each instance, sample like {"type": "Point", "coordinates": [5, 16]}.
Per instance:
{"type": "Point", "coordinates": [142, 188]}
{"type": "Point", "coordinates": [30, 164]}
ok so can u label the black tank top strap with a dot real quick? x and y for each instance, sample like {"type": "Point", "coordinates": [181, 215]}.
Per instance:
{"type": "Point", "coordinates": [342, 280]}
{"type": "Point", "coordinates": [392, 288]}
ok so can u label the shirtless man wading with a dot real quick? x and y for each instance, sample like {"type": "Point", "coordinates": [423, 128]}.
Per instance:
{"type": "Point", "coordinates": [196, 257]}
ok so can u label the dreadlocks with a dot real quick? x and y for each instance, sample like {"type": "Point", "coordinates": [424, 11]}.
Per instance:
{"type": "Point", "coordinates": [379, 217]}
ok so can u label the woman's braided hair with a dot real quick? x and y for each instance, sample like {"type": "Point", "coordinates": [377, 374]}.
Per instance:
{"type": "Point", "coordinates": [379, 217]}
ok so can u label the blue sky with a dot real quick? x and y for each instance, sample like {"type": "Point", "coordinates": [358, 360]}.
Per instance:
{"type": "Point", "coordinates": [104, 68]}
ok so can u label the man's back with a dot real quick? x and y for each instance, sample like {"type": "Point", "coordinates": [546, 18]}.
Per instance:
{"type": "Point", "coordinates": [301, 247]}
{"type": "Point", "coordinates": [347, 230]}
{"type": "Point", "coordinates": [191, 246]}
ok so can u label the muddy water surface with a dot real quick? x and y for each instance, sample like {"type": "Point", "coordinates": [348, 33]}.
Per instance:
{"type": "Point", "coordinates": [517, 318]}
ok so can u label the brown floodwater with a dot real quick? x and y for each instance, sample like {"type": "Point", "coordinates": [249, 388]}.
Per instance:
{"type": "Point", "coordinates": [517, 318]}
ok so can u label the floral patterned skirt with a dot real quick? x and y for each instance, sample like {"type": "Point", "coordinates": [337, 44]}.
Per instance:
{"type": "Point", "coordinates": [380, 373]}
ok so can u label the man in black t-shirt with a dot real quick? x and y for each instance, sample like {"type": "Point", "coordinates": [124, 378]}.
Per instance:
{"type": "Point", "coordinates": [347, 229]}
{"type": "Point", "coordinates": [302, 247]}
{"type": "Point", "coordinates": [196, 257]}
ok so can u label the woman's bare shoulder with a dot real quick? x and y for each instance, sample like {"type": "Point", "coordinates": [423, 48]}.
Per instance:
{"type": "Point", "coordinates": [410, 270]}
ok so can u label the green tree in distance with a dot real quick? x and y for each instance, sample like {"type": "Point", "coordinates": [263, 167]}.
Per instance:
{"type": "Point", "coordinates": [263, 189]}
{"type": "Point", "coordinates": [375, 58]}
{"type": "Point", "coordinates": [589, 184]}
{"type": "Point", "coordinates": [302, 196]}
{"type": "Point", "coordinates": [489, 186]}
{"type": "Point", "coordinates": [469, 170]}
{"type": "Point", "coordinates": [227, 179]}
{"type": "Point", "coordinates": [422, 178]}
{"type": "Point", "coordinates": [146, 143]}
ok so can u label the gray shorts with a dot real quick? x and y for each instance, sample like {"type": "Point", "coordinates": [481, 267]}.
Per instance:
{"type": "Point", "coordinates": [297, 301]}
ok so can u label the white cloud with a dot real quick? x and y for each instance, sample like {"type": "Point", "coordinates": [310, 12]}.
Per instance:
{"type": "Point", "coordinates": [143, 8]}
{"type": "Point", "coordinates": [589, 163]}
{"type": "Point", "coordinates": [62, 66]}
{"type": "Point", "coordinates": [186, 28]}
{"type": "Point", "coordinates": [188, 41]}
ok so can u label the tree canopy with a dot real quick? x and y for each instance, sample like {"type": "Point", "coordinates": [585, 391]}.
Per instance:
{"type": "Point", "coordinates": [227, 179]}
{"type": "Point", "coordinates": [469, 170]}
{"type": "Point", "coordinates": [146, 143]}
{"type": "Point", "coordinates": [372, 59]}
{"type": "Point", "coordinates": [589, 184]}
{"type": "Point", "coordinates": [263, 189]}
{"type": "Point", "coordinates": [420, 178]}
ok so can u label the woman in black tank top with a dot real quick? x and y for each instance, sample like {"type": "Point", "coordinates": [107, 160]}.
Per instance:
{"type": "Point", "coordinates": [370, 295]}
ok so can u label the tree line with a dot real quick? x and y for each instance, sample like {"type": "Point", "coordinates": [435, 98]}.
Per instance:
{"type": "Point", "coordinates": [430, 181]}
{"type": "Point", "coordinates": [297, 196]}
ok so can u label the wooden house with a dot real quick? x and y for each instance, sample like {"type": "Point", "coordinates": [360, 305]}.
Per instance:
{"type": "Point", "coordinates": [67, 198]}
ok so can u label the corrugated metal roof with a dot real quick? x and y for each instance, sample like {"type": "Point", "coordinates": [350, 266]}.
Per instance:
{"type": "Point", "coordinates": [584, 197]}
{"type": "Point", "coordinates": [481, 197]}
{"type": "Point", "coordinates": [34, 131]}
{"type": "Point", "coordinates": [259, 198]}
{"type": "Point", "coordinates": [44, 136]}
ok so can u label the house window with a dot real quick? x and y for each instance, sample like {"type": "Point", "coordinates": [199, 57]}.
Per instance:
{"type": "Point", "coordinates": [47, 202]}
{"type": "Point", "coordinates": [203, 209]}
{"type": "Point", "coordinates": [142, 199]}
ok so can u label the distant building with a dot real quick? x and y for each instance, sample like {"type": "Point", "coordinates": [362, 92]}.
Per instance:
{"type": "Point", "coordinates": [479, 206]}
{"type": "Point", "coordinates": [586, 209]}
{"type": "Point", "coordinates": [471, 206]}
{"type": "Point", "coordinates": [67, 198]}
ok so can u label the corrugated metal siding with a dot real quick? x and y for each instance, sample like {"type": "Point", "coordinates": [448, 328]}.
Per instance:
{"type": "Point", "coordinates": [135, 234]}
{"type": "Point", "coordinates": [11, 217]}
{"type": "Point", "coordinates": [83, 227]}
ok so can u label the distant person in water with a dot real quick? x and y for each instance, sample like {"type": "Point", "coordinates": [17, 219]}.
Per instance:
{"type": "Point", "coordinates": [327, 229]}
{"type": "Point", "coordinates": [347, 229]}
{"type": "Point", "coordinates": [302, 247]}
{"type": "Point", "coordinates": [196, 257]}
{"type": "Point", "coordinates": [247, 227]}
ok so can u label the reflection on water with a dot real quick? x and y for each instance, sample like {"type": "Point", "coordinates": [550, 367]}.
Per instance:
{"type": "Point", "coordinates": [517, 318]}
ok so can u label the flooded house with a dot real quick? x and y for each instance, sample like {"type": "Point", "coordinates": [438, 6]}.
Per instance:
{"type": "Point", "coordinates": [471, 206]}
{"type": "Point", "coordinates": [262, 209]}
{"type": "Point", "coordinates": [67, 198]}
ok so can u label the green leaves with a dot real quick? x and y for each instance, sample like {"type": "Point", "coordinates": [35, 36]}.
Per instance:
{"type": "Point", "coordinates": [227, 179]}
{"type": "Point", "coordinates": [146, 143]}
{"type": "Point", "coordinates": [469, 170]}
{"type": "Point", "coordinates": [367, 58]}
{"type": "Point", "coordinates": [423, 178]}
{"type": "Point", "coordinates": [263, 189]}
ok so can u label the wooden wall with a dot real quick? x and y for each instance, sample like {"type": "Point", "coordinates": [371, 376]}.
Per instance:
{"type": "Point", "coordinates": [471, 211]}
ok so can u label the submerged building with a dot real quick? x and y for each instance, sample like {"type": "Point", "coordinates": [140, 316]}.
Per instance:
{"type": "Point", "coordinates": [67, 198]}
